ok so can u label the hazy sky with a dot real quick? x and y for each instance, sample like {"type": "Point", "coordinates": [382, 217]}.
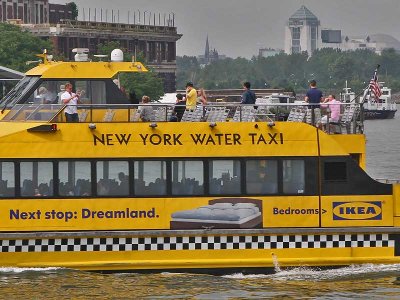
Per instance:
{"type": "Point", "coordinates": [241, 27]}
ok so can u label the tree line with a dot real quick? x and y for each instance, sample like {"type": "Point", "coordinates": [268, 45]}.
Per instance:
{"type": "Point", "coordinates": [331, 68]}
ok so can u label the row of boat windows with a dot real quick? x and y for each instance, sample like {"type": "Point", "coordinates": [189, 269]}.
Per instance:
{"type": "Point", "coordinates": [151, 178]}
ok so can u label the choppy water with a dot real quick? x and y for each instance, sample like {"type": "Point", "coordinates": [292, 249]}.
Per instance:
{"type": "Point", "coordinates": [360, 282]}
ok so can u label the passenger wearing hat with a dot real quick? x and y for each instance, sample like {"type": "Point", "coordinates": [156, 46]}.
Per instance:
{"type": "Point", "coordinates": [191, 96]}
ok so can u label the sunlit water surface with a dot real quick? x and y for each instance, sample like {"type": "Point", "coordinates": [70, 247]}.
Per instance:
{"type": "Point", "coordinates": [361, 282]}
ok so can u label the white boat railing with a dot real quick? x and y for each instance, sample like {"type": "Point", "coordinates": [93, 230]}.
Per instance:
{"type": "Point", "coordinates": [350, 119]}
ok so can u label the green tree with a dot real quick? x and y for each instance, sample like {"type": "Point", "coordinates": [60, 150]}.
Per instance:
{"type": "Point", "coordinates": [18, 47]}
{"type": "Point", "coordinates": [146, 83]}
{"type": "Point", "coordinates": [74, 8]}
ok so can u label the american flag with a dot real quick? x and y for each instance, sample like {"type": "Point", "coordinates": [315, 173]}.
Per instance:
{"type": "Point", "coordinates": [374, 85]}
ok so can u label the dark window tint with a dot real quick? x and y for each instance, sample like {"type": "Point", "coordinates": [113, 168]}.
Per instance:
{"type": "Point", "coordinates": [335, 171]}
{"type": "Point", "coordinates": [261, 176]}
{"type": "Point", "coordinates": [187, 177]}
{"type": "Point", "coordinates": [7, 182]}
{"type": "Point", "coordinates": [224, 177]}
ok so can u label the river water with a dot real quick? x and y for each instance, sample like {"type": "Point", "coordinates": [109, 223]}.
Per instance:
{"type": "Point", "coordinates": [360, 282]}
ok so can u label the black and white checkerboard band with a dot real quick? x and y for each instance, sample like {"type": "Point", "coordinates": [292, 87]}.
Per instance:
{"type": "Point", "coordinates": [197, 243]}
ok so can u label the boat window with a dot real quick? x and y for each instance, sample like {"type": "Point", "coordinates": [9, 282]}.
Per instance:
{"type": "Point", "coordinates": [293, 176]}
{"type": "Point", "coordinates": [150, 178]}
{"type": "Point", "coordinates": [261, 176]}
{"type": "Point", "coordinates": [187, 177]}
{"type": "Point", "coordinates": [112, 178]}
{"type": "Point", "coordinates": [45, 93]}
{"type": "Point", "coordinates": [335, 171]}
{"type": "Point", "coordinates": [7, 181]}
{"type": "Point", "coordinates": [74, 178]}
{"type": "Point", "coordinates": [19, 91]}
{"type": "Point", "coordinates": [224, 177]}
{"type": "Point", "coordinates": [36, 179]}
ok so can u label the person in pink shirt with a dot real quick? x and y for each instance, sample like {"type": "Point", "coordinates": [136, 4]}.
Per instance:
{"type": "Point", "coordinates": [334, 107]}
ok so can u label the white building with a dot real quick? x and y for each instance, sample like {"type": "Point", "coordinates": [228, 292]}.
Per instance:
{"type": "Point", "coordinates": [302, 32]}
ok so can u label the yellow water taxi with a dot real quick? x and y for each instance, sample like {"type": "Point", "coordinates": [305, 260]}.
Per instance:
{"type": "Point", "coordinates": [228, 188]}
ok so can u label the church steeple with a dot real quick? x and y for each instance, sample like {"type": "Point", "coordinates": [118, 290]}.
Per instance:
{"type": "Point", "coordinates": [207, 51]}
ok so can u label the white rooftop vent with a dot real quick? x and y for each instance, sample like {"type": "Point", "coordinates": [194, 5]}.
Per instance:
{"type": "Point", "coordinates": [81, 54]}
{"type": "Point", "coordinates": [117, 55]}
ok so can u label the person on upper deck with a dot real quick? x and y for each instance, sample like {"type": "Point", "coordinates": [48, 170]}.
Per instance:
{"type": "Point", "coordinates": [334, 107]}
{"type": "Point", "coordinates": [314, 95]}
{"type": "Point", "coordinates": [248, 97]}
{"type": "Point", "coordinates": [146, 110]}
{"type": "Point", "coordinates": [191, 96]}
{"type": "Point", "coordinates": [180, 106]}
{"type": "Point", "coordinates": [201, 97]}
{"type": "Point", "coordinates": [71, 100]}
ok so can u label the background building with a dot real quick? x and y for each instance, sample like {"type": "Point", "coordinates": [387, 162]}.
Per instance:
{"type": "Point", "coordinates": [303, 33]}
{"type": "Point", "coordinates": [156, 39]}
{"type": "Point", "coordinates": [267, 52]}
{"type": "Point", "coordinates": [209, 55]}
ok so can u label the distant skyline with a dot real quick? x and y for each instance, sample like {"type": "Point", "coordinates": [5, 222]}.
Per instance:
{"type": "Point", "coordinates": [240, 28]}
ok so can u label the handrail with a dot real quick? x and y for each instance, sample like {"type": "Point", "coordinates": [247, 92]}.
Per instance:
{"type": "Point", "coordinates": [162, 112]}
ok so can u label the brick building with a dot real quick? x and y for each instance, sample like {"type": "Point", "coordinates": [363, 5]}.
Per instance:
{"type": "Point", "coordinates": [53, 21]}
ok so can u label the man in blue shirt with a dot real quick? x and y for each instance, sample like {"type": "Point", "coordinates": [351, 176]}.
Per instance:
{"type": "Point", "coordinates": [314, 95]}
{"type": "Point", "coordinates": [248, 97]}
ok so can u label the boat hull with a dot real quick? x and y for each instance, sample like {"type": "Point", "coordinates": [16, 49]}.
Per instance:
{"type": "Point", "coordinates": [379, 114]}
{"type": "Point", "coordinates": [201, 251]}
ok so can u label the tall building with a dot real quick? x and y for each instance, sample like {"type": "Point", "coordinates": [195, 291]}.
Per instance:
{"type": "Point", "coordinates": [28, 11]}
{"type": "Point", "coordinates": [302, 32]}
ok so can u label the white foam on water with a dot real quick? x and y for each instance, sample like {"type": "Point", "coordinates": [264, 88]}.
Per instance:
{"type": "Point", "coordinates": [308, 273]}
{"type": "Point", "coordinates": [20, 270]}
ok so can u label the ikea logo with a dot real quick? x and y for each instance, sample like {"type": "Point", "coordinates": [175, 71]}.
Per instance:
{"type": "Point", "coordinates": [357, 210]}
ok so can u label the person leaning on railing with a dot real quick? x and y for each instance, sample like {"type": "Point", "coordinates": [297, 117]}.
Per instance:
{"type": "Point", "coordinates": [334, 106]}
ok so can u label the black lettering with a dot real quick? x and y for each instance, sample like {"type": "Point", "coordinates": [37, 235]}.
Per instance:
{"type": "Point", "coordinates": [210, 140]}
{"type": "Point", "coordinates": [144, 138]}
{"type": "Point", "coordinates": [261, 139]}
{"type": "Point", "coordinates": [252, 135]}
{"type": "Point", "coordinates": [96, 138]}
{"type": "Point", "coordinates": [236, 139]}
{"type": "Point", "coordinates": [155, 139]}
{"type": "Point", "coordinates": [167, 138]}
{"type": "Point", "coordinates": [123, 138]}
{"type": "Point", "coordinates": [273, 138]}
{"type": "Point", "coordinates": [219, 136]}
{"type": "Point", "coordinates": [198, 138]}
{"type": "Point", "coordinates": [176, 139]}
{"type": "Point", "coordinates": [281, 138]}
{"type": "Point", "coordinates": [228, 139]}
{"type": "Point", "coordinates": [109, 139]}
{"type": "Point", "coordinates": [275, 211]}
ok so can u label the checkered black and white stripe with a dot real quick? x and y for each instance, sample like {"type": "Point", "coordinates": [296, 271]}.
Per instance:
{"type": "Point", "coordinates": [198, 243]}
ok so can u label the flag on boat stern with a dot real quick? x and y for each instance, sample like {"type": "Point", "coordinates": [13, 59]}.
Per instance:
{"type": "Point", "coordinates": [374, 85]}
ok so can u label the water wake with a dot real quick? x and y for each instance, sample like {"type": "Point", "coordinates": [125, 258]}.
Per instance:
{"type": "Point", "coordinates": [316, 274]}
{"type": "Point", "coordinates": [20, 270]}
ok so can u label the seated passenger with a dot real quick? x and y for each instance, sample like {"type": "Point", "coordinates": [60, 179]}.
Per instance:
{"type": "Point", "coordinates": [146, 111]}
{"type": "Point", "coordinates": [124, 184]}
